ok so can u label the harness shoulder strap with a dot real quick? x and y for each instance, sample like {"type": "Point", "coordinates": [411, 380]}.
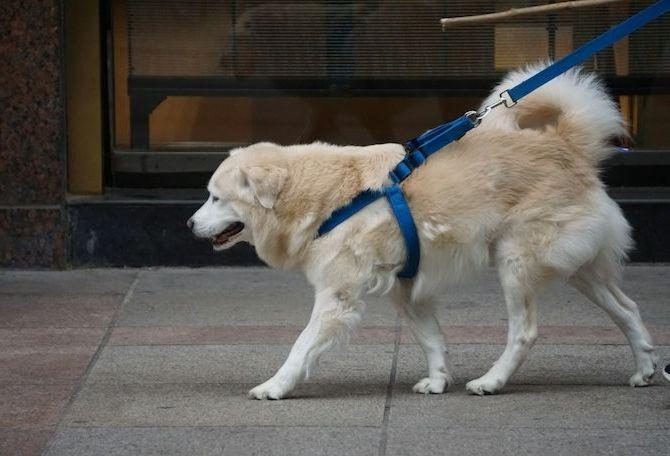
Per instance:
{"type": "Point", "coordinates": [403, 215]}
{"type": "Point", "coordinates": [401, 212]}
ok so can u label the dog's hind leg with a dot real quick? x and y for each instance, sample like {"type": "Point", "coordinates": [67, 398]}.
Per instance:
{"type": "Point", "coordinates": [626, 315]}
{"type": "Point", "coordinates": [334, 314]}
{"type": "Point", "coordinates": [522, 328]}
{"type": "Point", "coordinates": [423, 323]}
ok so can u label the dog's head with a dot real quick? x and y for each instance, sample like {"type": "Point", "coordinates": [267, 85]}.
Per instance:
{"type": "Point", "coordinates": [243, 192]}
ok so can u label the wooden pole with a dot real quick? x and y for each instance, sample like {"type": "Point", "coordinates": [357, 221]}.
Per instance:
{"type": "Point", "coordinates": [516, 12]}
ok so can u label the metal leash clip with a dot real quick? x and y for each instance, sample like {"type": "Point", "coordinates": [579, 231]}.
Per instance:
{"type": "Point", "coordinates": [476, 116]}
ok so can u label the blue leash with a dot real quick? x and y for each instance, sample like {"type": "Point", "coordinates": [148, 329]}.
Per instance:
{"type": "Point", "coordinates": [420, 148]}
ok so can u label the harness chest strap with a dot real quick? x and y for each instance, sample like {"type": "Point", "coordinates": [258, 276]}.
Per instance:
{"type": "Point", "coordinates": [420, 148]}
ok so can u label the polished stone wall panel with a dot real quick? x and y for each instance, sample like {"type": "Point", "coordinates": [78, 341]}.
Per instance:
{"type": "Point", "coordinates": [32, 237]}
{"type": "Point", "coordinates": [32, 153]}
{"type": "Point", "coordinates": [32, 132]}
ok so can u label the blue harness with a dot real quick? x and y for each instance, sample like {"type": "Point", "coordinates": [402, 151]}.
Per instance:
{"type": "Point", "coordinates": [420, 148]}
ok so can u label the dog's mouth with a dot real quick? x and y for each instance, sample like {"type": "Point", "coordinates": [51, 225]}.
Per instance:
{"type": "Point", "coordinates": [228, 234]}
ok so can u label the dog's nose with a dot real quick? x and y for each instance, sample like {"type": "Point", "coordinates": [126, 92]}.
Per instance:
{"type": "Point", "coordinates": [189, 223]}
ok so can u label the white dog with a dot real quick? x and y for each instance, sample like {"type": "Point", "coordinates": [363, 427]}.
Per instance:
{"type": "Point", "coordinates": [521, 190]}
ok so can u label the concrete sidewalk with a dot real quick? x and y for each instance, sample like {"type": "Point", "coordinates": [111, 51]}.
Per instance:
{"type": "Point", "coordinates": [158, 362]}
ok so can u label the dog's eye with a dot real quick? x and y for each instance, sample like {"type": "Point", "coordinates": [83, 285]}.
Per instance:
{"type": "Point", "coordinates": [214, 199]}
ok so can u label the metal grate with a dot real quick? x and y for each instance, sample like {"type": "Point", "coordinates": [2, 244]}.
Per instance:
{"type": "Point", "coordinates": [251, 40]}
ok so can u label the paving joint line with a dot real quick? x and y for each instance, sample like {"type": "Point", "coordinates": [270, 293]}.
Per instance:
{"type": "Point", "coordinates": [389, 389]}
{"type": "Point", "coordinates": [457, 428]}
{"type": "Point", "coordinates": [230, 426]}
{"type": "Point", "coordinates": [101, 346]}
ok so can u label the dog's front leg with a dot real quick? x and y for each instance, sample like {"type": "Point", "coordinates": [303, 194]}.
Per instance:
{"type": "Point", "coordinates": [334, 314]}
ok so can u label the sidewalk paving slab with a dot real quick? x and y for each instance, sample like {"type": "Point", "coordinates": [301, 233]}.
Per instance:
{"type": "Point", "coordinates": [24, 441]}
{"type": "Point", "coordinates": [65, 311]}
{"type": "Point", "coordinates": [234, 364]}
{"type": "Point", "coordinates": [242, 296]}
{"type": "Point", "coordinates": [480, 301]}
{"type": "Point", "coordinates": [70, 282]}
{"type": "Point", "coordinates": [46, 355]}
{"type": "Point", "coordinates": [235, 335]}
{"type": "Point", "coordinates": [232, 441]}
{"type": "Point", "coordinates": [545, 365]}
{"type": "Point", "coordinates": [51, 325]}
{"type": "Point", "coordinates": [519, 441]}
{"type": "Point", "coordinates": [536, 406]}
{"type": "Point", "coordinates": [216, 404]}
{"type": "Point", "coordinates": [214, 297]}
{"type": "Point", "coordinates": [171, 367]}
{"type": "Point", "coordinates": [33, 405]}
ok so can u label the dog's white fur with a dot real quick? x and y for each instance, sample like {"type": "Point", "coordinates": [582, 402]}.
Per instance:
{"type": "Point", "coordinates": [521, 190]}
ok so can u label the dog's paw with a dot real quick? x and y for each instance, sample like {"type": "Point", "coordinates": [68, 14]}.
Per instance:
{"type": "Point", "coordinates": [642, 378]}
{"type": "Point", "coordinates": [482, 386]}
{"type": "Point", "coordinates": [431, 386]}
{"type": "Point", "coordinates": [645, 373]}
{"type": "Point", "coordinates": [268, 390]}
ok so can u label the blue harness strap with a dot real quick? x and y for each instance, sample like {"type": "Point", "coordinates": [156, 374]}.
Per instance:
{"type": "Point", "coordinates": [423, 146]}
{"type": "Point", "coordinates": [338, 216]}
{"type": "Point", "coordinates": [403, 215]}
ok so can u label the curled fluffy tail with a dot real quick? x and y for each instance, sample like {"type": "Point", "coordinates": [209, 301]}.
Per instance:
{"type": "Point", "coordinates": [575, 103]}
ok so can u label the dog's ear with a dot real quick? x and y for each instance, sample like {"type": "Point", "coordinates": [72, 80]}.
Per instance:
{"type": "Point", "coordinates": [265, 182]}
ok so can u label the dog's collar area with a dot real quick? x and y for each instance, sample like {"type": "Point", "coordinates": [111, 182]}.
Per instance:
{"type": "Point", "coordinates": [420, 148]}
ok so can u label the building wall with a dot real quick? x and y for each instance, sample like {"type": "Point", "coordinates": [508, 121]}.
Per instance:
{"type": "Point", "coordinates": [32, 138]}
